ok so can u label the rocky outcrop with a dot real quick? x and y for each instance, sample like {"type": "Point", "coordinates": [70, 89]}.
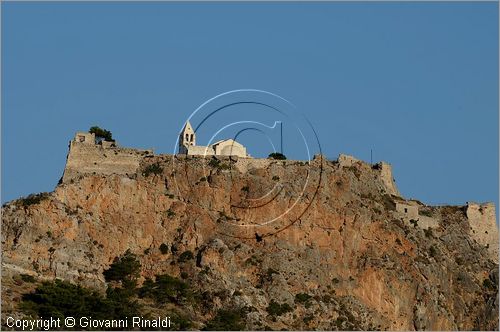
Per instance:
{"type": "Point", "coordinates": [323, 237]}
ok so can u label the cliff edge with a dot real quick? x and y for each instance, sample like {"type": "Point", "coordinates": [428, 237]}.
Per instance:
{"type": "Point", "coordinates": [333, 240]}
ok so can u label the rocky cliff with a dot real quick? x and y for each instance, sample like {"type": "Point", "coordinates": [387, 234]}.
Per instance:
{"type": "Point", "coordinates": [324, 238]}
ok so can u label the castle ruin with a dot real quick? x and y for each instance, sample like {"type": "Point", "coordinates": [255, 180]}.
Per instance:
{"type": "Point", "coordinates": [90, 156]}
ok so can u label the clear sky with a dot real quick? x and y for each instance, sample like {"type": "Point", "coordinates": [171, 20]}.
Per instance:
{"type": "Point", "coordinates": [415, 82]}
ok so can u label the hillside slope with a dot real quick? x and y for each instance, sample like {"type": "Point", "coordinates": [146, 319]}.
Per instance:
{"type": "Point", "coordinates": [329, 239]}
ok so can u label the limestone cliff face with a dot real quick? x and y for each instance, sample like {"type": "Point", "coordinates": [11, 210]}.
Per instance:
{"type": "Point", "coordinates": [262, 231]}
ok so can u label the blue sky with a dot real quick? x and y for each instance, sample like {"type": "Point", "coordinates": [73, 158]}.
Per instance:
{"type": "Point", "coordinates": [415, 82]}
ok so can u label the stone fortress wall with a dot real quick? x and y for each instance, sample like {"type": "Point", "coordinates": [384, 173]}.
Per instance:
{"type": "Point", "coordinates": [88, 157]}
{"type": "Point", "coordinates": [385, 172]}
{"type": "Point", "coordinates": [245, 164]}
{"type": "Point", "coordinates": [482, 217]}
{"type": "Point", "coordinates": [482, 220]}
{"type": "Point", "coordinates": [409, 210]}
{"type": "Point", "coordinates": [388, 179]}
{"type": "Point", "coordinates": [85, 156]}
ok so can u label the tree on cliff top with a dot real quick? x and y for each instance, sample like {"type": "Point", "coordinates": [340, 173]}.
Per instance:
{"type": "Point", "coordinates": [277, 155]}
{"type": "Point", "coordinates": [101, 133]}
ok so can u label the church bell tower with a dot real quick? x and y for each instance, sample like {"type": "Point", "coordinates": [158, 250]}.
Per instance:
{"type": "Point", "coordinates": [187, 137]}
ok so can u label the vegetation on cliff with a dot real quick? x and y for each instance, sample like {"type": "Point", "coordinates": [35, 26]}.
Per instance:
{"type": "Point", "coordinates": [124, 300]}
{"type": "Point", "coordinates": [61, 299]}
{"type": "Point", "coordinates": [101, 133]}
{"type": "Point", "coordinates": [346, 256]}
{"type": "Point", "coordinates": [277, 156]}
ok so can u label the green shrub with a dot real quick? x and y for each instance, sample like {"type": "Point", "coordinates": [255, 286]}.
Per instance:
{"type": "Point", "coordinates": [414, 222]}
{"type": "Point", "coordinates": [426, 213]}
{"type": "Point", "coordinates": [253, 260]}
{"type": "Point", "coordinates": [276, 309]}
{"type": "Point", "coordinates": [164, 248]}
{"type": "Point", "coordinates": [277, 156]}
{"type": "Point", "coordinates": [428, 232]}
{"type": "Point", "coordinates": [245, 188]}
{"type": "Point", "coordinates": [327, 298]}
{"type": "Point", "coordinates": [27, 278]}
{"type": "Point", "coordinates": [388, 202]}
{"type": "Point", "coordinates": [101, 133]}
{"type": "Point", "coordinates": [180, 322]}
{"type": "Point", "coordinates": [302, 298]}
{"type": "Point", "coordinates": [166, 289]}
{"type": "Point", "coordinates": [215, 163]}
{"type": "Point", "coordinates": [124, 269]}
{"type": "Point", "coordinates": [127, 290]}
{"type": "Point", "coordinates": [276, 178]}
{"type": "Point", "coordinates": [339, 322]}
{"type": "Point", "coordinates": [488, 284]}
{"type": "Point", "coordinates": [147, 288]}
{"type": "Point", "coordinates": [433, 251]}
{"type": "Point", "coordinates": [155, 169]}
{"type": "Point", "coordinates": [224, 166]}
{"type": "Point", "coordinates": [269, 274]}
{"type": "Point", "coordinates": [60, 299]}
{"type": "Point", "coordinates": [170, 213]}
{"type": "Point", "coordinates": [186, 256]}
{"type": "Point", "coordinates": [33, 199]}
{"type": "Point", "coordinates": [308, 319]}
{"type": "Point", "coordinates": [227, 320]}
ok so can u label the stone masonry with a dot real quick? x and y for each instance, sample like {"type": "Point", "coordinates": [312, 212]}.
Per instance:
{"type": "Point", "coordinates": [85, 156]}
{"type": "Point", "coordinates": [88, 156]}
{"type": "Point", "coordinates": [482, 219]}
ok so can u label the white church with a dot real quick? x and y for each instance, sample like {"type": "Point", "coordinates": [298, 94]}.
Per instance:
{"type": "Point", "coordinates": [225, 147]}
